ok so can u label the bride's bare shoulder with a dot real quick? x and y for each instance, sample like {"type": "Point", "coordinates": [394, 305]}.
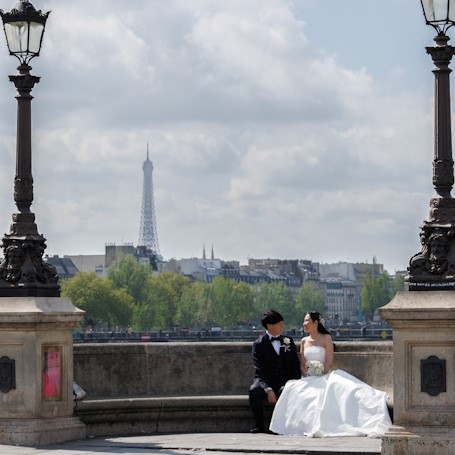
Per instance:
{"type": "Point", "coordinates": [327, 338]}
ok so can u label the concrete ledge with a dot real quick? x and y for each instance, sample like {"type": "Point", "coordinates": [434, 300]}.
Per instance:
{"type": "Point", "coordinates": [198, 414]}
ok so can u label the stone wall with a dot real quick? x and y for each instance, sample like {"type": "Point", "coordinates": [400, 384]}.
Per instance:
{"type": "Point", "coordinates": [213, 368]}
{"type": "Point", "coordinates": [135, 388]}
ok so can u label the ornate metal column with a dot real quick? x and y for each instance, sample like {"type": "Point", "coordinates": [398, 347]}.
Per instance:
{"type": "Point", "coordinates": [434, 267]}
{"type": "Point", "coordinates": [23, 271]}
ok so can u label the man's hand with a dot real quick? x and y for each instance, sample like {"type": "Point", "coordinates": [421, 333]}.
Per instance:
{"type": "Point", "coordinates": [271, 397]}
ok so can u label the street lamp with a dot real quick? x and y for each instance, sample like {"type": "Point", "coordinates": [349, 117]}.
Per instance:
{"type": "Point", "coordinates": [434, 267]}
{"type": "Point", "coordinates": [24, 30]}
{"type": "Point", "coordinates": [23, 271]}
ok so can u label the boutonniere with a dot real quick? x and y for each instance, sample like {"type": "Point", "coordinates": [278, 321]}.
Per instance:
{"type": "Point", "coordinates": [286, 344]}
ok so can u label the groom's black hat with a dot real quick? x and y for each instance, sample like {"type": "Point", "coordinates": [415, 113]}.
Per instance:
{"type": "Point", "coordinates": [271, 317]}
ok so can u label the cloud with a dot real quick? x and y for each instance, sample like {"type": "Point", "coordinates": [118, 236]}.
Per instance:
{"type": "Point", "coordinates": [263, 142]}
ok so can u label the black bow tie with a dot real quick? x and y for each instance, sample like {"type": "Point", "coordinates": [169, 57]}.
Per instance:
{"type": "Point", "coordinates": [280, 339]}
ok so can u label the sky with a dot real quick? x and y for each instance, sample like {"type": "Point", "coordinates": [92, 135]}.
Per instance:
{"type": "Point", "coordinates": [289, 129]}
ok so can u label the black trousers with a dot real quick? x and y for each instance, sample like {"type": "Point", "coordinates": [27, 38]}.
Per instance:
{"type": "Point", "coordinates": [257, 396]}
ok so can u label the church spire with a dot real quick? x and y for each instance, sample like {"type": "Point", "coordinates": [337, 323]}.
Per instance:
{"type": "Point", "coordinates": [203, 251]}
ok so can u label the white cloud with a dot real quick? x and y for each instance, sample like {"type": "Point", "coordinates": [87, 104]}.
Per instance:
{"type": "Point", "coordinates": [264, 141]}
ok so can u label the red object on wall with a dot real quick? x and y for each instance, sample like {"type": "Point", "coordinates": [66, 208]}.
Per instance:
{"type": "Point", "coordinates": [52, 375]}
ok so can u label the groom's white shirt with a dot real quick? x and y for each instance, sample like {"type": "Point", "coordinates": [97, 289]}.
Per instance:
{"type": "Point", "coordinates": [276, 343]}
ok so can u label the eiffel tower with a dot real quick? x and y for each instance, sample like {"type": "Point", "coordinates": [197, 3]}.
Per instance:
{"type": "Point", "coordinates": [148, 236]}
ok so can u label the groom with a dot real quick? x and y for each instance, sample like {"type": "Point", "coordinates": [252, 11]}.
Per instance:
{"type": "Point", "coordinates": [275, 362]}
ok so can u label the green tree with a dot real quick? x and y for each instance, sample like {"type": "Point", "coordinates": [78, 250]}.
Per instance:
{"type": "Point", "coordinates": [279, 297]}
{"type": "Point", "coordinates": [189, 306]}
{"type": "Point", "coordinates": [127, 273]}
{"type": "Point", "coordinates": [202, 293]}
{"type": "Point", "coordinates": [154, 312]}
{"type": "Point", "coordinates": [244, 299]}
{"type": "Point", "coordinates": [308, 299]}
{"type": "Point", "coordinates": [375, 291]}
{"type": "Point", "coordinates": [222, 294]}
{"type": "Point", "coordinates": [175, 286]}
{"type": "Point", "coordinates": [98, 298]}
{"type": "Point", "coordinates": [396, 285]}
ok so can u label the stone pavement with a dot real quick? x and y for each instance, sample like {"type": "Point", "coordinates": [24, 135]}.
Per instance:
{"type": "Point", "coordinates": [218, 443]}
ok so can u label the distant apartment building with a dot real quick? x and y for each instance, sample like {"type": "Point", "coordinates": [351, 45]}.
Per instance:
{"type": "Point", "coordinates": [257, 271]}
{"type": "Point", "coordinates": [342, 300]}
{"type": "Point", "coordinates": [65, 266]}
{"type": "Point", "coordinates": [341, 286]}
{"type": "Point", "coordinates": [200, 269]}
{"type": "Point", "coordinates": [114, 252]}
{"type": "Point", "coordinates": [88, 263]}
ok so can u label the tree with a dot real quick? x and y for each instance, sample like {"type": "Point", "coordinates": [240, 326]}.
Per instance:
{"type": "Point", "coordinates": [396, 285]}
{"type": "Point", "coordinates": [308, 299]}
{"type": "Point", "coordinates": [222, 294]}
{"type": "Point", "coordinates": [244, 299]}
{"type": "Point", "coordinates": [279, 297]}
{"type": "Point", "coordinates": [175, 286]}
{"type": "Point", "coordinates": [375, 291]}
{"type": "Point", "coordinates": [98, 298]}
{"type": "Point", "coordinates": [154, 311]}
{"type": "Point", "coordinates": [127, 273]}
{"type": "Point", "coordinates": [188, 311]}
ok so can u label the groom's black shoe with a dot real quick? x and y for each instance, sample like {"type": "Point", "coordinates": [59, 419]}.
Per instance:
{"type": "Point", "coordinates": [258, 430]}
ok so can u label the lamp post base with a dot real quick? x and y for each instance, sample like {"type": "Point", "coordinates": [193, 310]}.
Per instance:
{"type": "Point", "coordinates": [23, 272]}
{"type": "Point", "coordinates": [34, 432]}
{"type": "Point", "coordinates": [36, 366]}
{"type": "Point", "coordinates": [418, 441]}
{"type": "Point", "coordinates": [433, 268]}
{"type": "Point", "coordinates": [423, 378]}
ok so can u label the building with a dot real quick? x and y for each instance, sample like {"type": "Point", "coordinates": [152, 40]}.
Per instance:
{"type": "Point", "coordinates": [89, 262]}
{"type": "Point", "coordinates": [342, 300]}
{"type": "Point", "coordinates": [65, 266]}
{"type": "Point", "coordinates": [341, 286]}
{"type": "Point", "coordinates": [114, 252]}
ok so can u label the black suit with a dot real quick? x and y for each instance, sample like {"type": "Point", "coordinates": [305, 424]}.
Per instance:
{"type": "Point", "coordinates": [271, 371]}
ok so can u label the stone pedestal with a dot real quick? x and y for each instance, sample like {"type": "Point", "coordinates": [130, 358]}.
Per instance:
{"type": "Point", "coordinates": [423, 325]}
{"type": "Point", "coordinates": [36, 370]}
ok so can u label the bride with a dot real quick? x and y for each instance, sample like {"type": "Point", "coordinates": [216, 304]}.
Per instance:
{"type": "Point", "coordinates": [326, 403]}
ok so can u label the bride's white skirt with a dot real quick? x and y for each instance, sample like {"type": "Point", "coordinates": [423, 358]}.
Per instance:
{"type": "Point", "coordinates": [335, 404]}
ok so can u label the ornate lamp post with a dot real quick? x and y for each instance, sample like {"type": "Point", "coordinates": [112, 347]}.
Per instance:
{"type": "Point", "coordinates": [36, 324]}
{"type": "Point", "coordinates": [23, 271]}
{"type": "Point", "coordinates": [434, 267]}
{"type": "Point", "coordinates": [423, 323]}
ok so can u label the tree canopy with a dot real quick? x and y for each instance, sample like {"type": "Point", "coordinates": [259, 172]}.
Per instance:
{"type": "Point", "coordinates": [133, 294]}
{"type": "Point", "coordinates": [99, 299]}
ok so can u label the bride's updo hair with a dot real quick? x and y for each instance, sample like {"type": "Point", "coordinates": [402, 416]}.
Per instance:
{"type": "Point", "coordinates": [316, 316]}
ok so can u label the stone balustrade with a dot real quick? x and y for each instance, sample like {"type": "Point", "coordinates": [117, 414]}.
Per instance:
{"type": "Point", "coordinates": [190, 387]}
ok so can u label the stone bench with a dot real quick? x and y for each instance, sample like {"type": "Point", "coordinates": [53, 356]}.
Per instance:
{"type": "Point", "coordinates": [189, 387]}
{"type": "Point", "coordinates": [185, 414]}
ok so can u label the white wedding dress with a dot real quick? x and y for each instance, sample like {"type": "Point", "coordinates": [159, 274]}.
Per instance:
{"type": "Point", "coordinates": [334, 404]}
